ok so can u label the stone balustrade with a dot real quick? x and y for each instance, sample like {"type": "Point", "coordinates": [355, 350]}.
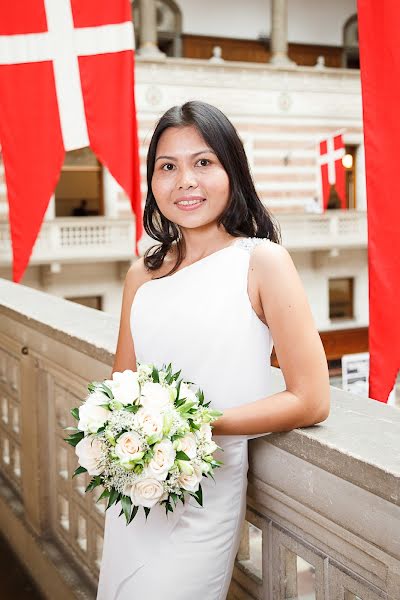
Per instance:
{"type": "Point", "coordinates": [323, 508]}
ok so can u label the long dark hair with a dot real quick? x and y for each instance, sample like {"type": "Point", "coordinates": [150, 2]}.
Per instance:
{"type": "Point", "coordinates": [244, 216]}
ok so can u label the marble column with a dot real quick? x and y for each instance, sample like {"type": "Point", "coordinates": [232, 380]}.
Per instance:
{"type": "Point", "coordinates": [279, 35]}
{"type": "Point", "coordinates": [148, 30]}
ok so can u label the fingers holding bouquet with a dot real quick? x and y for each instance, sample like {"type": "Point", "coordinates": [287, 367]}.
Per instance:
{"type": "Point", "coordinates": [145, 437]}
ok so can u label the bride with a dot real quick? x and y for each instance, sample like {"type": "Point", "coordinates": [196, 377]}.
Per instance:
{"type": "Point", "coordinates": [212, 297]}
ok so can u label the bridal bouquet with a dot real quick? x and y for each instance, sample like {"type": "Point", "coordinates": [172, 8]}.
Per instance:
{"type": "Point", "coordinates": [145, 437]}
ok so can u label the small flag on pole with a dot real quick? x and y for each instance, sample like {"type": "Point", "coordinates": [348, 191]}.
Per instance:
{"type": "Point", "coordinates": [332, 172]}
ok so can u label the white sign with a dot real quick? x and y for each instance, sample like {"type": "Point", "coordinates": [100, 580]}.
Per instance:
{"type": "Point", "coordinates": [355, 375]}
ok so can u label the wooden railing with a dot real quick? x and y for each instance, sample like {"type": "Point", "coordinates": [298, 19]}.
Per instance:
{"type": "Point", "coordinates": [323, 507]}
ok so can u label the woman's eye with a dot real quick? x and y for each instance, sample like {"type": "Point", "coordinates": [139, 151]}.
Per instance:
{"type": "Point", "coordinates": [167, 167]}
{"type": "Point", "coordinates": [204, 162]}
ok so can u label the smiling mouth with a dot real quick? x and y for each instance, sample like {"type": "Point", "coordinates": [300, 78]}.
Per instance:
{"type": "Point", "coordinates": [190, 201]}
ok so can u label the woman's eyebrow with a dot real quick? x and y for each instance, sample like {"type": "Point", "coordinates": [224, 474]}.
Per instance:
{"type": "Point", "coordinates": [192, 155]}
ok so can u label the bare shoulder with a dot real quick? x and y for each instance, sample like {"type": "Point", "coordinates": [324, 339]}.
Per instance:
{"type": "Point", "coordinates": [136, 275]}
{"type": "Point", "coordinates": [270, 257]}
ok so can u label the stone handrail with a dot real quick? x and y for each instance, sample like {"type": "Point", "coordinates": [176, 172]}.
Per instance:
{"type": "Point", "coordinates": [323, 505]}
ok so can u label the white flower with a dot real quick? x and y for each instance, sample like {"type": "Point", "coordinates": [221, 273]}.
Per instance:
{"type": "Point", "coordinates": [146, 492]}
{"type": "Point", "coordinates": [191, 482]}
{"type": "Point", "coordinates": [188, 445]}
{"type": "Point", "coordinates": [186, 392]}
{"type": "Point", "coordinates": [150, 421]}
{"type": "Point", "coordinates": [155, 396]}
{"type": "Point", "coordinates": [97, 398]}
{"type": "Point", "coordinates": [89, 451]}
{"type": "Point", "coordinates": [210, 447]}
{"type": "Point", "coordinates": [129, 447]}
{"type": "Point", "coordinates": [91, 415]}
{"type": "Point", "coordinates": [144, 370]}
{"type": "Point", "coordinates": [125, 386]}
{"type": "Point", "coordinates": [162, 461]}
{"type": "Point", "coordinates": [205, 432]}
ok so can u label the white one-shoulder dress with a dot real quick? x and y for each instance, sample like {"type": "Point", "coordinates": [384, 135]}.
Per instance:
{"type": "Point", "coordinates": [201, 320]}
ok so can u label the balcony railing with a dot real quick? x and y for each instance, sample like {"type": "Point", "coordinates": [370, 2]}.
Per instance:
{"type": "Point", "coordinates": [68, 239]}
{"type": "Point", "coordinates": [332, 229]}
{"type": "Point", "coordinates": [323, 503]}
{"type": "Point", "coordinates": [102, 238]}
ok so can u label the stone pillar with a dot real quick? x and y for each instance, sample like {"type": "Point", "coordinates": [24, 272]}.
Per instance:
{"type": "Point", "coordinates": [148, 30]}
{"type": "Point", "coordinates": [279, 41]}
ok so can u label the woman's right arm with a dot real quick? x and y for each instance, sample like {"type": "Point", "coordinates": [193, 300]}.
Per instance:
{"type": "Point", "coordinates": [125, 357]}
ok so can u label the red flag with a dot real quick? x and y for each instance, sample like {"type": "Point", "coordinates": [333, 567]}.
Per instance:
{"type": "Point", "coordinates": [66, 82]}
{"type": "Point", "coordinates": [380, 78]}
{"type": "Point", "coordinates": [331, 152]}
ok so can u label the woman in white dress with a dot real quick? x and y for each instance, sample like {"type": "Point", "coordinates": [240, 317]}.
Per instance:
{"type": "Point", "coordinates": [210, 297]}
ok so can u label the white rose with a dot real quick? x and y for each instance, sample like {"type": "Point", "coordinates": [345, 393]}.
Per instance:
{"type": "Point", "coordinates": [92, 416]}
{"type": "Point", "coordinates": [125, 386]}
{"type": "Point", "coordinates": [188, 445]}
{"type": "Point", "coordinates": [191, 482]}
{"type": "Point", "coordinates": [162, 461]}
{"type": "Point", "coordinates": [89, 451]}
{"type": "Point", "coordinates": [129, 447]}
{"type": "Point", "coordinates": [150, 421]}
{"type": "Point", "coordinates": [97, 398]}
{"type": "Point", "coordinates": [155, 396]}
{"type": "Point", "coordinates": [146, 492]}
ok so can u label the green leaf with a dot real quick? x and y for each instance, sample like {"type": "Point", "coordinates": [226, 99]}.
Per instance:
{"type": "Point", "coordinates": [127, 507]}
{"type": "Point", "coordinates": [180, 455]}
{"type": "Point", "coordinates": [104, 494]}
{"type": "Point", "coordinates": [75, 413]}
{"type": "Point", "coordinates": [113, 497]}
{"type": "Point", "coordinates": [133, 513]}
{"type": "Point", "coordinates": [106, 390]}
{"type": "Point", "coordinates": [75, 438]}
{"type": "Point", "coordinates": [78, 471]}
{"type": "Point", "coordinates": [154, 375]}
{"type": "Point", "coordinates": [133, 408]}
{"type": "Point", "coordinates": [95, 481]}
{"type": "Point", "coordinates": [199, 496]}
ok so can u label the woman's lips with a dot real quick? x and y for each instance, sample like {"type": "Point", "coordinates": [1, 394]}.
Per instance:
{"type": "Point", "coordinates": [191, 206]}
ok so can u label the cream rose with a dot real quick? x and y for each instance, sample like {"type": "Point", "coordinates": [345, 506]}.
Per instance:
{"type": "Point", "coordinates": [162, 461]}
{"type": "Point", "coordinates": [191, 482]}
{"type": "Point", "coordinates": [150, 421]}
{"type": "Point", "coordinates": [92, 416]}
{"type": "Point", "coordinates": [188, 445]}
{"type": "Point", "coordinates": [129, 447]}
{"type": "Point", "coordinates": [146, 492]}
{"type": "Point", "coordinates": [89, 451]}
{"type": "Point", "coordinates": [155, 396]}
{"type": "Point", "coordinates": [125, 386]}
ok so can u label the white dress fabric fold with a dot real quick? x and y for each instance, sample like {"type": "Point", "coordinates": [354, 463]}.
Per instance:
{"type": "Point", "coordinates": [201, 320]}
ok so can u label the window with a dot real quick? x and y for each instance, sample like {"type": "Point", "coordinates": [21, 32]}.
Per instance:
{"type": "Point", "coordinates": [341, 298]}
{"type": "Point", "coordinates": [351, 53]}
{"type": "Point", "coordinates": [79, 191]}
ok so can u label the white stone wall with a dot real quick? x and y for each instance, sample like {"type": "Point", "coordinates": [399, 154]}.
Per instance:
{"type": "Point", "coordinates": [309, 21]}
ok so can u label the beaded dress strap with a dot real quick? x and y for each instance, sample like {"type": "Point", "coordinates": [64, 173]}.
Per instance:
{"type": "Point", "coordinates": [250, 242]}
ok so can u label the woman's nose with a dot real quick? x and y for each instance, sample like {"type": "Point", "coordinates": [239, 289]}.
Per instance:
{"type": "Point", "coordinates": [187, 179]}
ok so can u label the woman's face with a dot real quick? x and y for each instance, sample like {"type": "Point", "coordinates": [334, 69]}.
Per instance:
{"type": "Point", "coordinates": [190, 185]}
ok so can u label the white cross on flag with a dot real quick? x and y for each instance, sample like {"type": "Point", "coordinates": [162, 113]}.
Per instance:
{"type": "Point", "coordinates": [66, 82]}
{"type": "Point", "coordinates": [330, 154]}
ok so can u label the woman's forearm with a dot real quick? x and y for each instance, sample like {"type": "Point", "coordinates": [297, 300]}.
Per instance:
{"type": "Point", "coordinates": [282, 411]}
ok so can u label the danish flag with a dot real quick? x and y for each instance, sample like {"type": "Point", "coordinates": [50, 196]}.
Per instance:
{"type": "Point", "coordinates": [331, 152]}
{"type": "Point", "coordinates": [66, 82]}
